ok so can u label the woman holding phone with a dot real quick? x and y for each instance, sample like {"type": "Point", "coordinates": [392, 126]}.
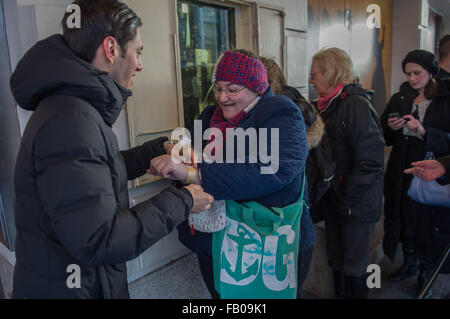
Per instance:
{"type": "Point", "coordinates": [415, 121]}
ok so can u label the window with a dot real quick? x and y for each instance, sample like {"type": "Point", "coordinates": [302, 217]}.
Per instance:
{"type": "Point", "coordinates": [205, 32]}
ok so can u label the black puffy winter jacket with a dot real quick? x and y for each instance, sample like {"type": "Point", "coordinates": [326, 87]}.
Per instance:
{"type": "Point", "coordinates": [72, 207]}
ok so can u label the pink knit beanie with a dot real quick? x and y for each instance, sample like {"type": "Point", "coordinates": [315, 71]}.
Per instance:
{"type": "Point", "coordinates": [238, 68]}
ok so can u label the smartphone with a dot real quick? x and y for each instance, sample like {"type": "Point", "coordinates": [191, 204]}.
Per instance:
{"type": "Point", "coordinates": [395, 114]}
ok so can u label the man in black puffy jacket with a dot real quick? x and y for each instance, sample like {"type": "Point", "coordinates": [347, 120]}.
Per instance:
{"type": "Point", "coordinates": [72, 207]}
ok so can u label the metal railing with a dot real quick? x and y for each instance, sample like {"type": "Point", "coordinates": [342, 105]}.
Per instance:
{"type": "Point", "coordinates": [433, 276]}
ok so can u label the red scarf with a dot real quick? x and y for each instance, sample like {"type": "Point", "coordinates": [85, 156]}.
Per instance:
{"type": "Point", "coordinates": [323, 102]}
{"type": "Point", "coordinates": [218, 121]}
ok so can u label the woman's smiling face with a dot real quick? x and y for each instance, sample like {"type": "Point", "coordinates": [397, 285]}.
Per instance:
{"type": "Point", "coordinates": [232, 98]}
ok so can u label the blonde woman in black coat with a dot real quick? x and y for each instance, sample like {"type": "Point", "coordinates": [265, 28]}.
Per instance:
{"type": "Point", "coordinates": [355, 198]}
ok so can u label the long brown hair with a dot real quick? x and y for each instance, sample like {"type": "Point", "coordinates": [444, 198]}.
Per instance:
{"type": "Point", "coordinates": [431, 90]}
{"type": "Point", "coordinates": [275, 75]}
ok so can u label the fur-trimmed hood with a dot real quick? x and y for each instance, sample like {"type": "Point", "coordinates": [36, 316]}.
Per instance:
{"type": "Point", "coordinates": [315, 128]}
{"type": "Point", "coordinates": [315, 132]}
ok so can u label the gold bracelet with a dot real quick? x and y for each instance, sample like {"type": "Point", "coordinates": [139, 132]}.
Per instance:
{"type": "Point", "coordinates": [192, 175]}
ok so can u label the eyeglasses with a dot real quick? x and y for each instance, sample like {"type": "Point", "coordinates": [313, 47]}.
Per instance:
{"type": "Point", "coordinates": [312, 73]}
{"type": "Point", "coordinates": [228, 92]}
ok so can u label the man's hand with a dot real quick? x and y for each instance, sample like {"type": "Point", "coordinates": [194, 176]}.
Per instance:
{"type": "Point", "coordinates": [202, 201]}
{"type": "Point", "coordinates": [426, 170]}
{"type": "Point", "coordinates": [165, 167]}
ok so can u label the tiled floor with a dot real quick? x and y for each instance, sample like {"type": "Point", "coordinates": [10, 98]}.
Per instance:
{"type": "Point", "coordinates": [179, 280]}
{"type": "Point", "coordinates": [182, 280]}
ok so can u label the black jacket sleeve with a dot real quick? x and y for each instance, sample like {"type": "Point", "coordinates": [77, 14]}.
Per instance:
{"type": "Point", "coordinates": [390, 108]}
{"type": "Point", "coordinates": [445, 160]}
{"type": "Point", "coordinates": [81, 205]}
{"type": "Point", "coordinates": [137, 159]}
{"type": "Point", "coordinates": [437, 141]}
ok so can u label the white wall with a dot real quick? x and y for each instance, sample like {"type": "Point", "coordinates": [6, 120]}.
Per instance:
{"type": "Point", "coordinates": [412, 29]}
{"type": "Point", "coordinates": [442, 7]}
{"type": "Point", "coordinates": [405, 36]}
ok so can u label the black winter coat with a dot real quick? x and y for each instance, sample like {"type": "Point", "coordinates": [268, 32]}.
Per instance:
{"type": "Point", "coordinates": [407, 149]}
{"type": "Point", "coordinates": [355, 133]}
{"type": "Point", "coordinates": [72, 204]}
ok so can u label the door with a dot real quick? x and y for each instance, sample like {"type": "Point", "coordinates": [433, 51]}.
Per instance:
{"type": "Point", "coordinates": [155, 108]}
{"type": "Point", "coordinates": [370, 48]}
{"type": "Point", "coordinates": [271, 33]}
{"type": "Point", "coordinates": [344, 24]}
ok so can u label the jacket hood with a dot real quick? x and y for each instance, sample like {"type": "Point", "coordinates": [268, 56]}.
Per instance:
{"type": "Point", "coordinates": [51, 67]}
{"type": "Point", "coordinates": [444, 87]}
{"type": "Point", "coordinates": [315, 128]}
{"type": "Point", "coordinates": [307, 109]}
{"type": "Point", "coordinates": [356, 89]}
{"type": "Point", "coordinates": [315, 132]}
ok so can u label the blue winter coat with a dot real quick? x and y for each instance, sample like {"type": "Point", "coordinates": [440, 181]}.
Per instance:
{"type": "Point", "coordinates": [244, 181]}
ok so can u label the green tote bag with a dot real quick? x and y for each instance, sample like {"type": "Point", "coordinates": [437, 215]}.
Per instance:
{"type": "Point", "coordinates": [255, 255]}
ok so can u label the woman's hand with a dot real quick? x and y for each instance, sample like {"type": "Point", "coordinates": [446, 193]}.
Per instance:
{"type": "Point", "coordinates": [396, 123]}
{"type": "Point", "coordinates": [414, 124]}
{"type": "Point", "coordinates": [164, 166]}
{"type": "Point", "coordinates": [193, 160]}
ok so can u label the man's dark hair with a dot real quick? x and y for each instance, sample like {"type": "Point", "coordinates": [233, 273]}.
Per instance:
{"type": "Point", "coordinates": [444, 47]}
{"type": "Point", "coordinates": [99, 19]}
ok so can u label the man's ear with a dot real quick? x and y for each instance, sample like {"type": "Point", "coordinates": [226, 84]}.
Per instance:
{"type": "Point", "coordinates": [110, 49]}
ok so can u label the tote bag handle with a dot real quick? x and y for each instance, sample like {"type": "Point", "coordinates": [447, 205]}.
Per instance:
{"type": "Point", "coordinates": [264, 220]}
